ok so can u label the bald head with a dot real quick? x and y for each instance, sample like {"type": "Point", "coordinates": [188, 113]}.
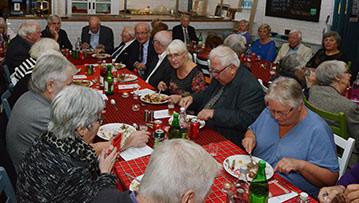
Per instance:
{"type": "Point", "coordinates": [94, 24]}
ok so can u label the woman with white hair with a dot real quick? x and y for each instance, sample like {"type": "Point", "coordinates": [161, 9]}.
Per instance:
{"type": "Point", "coordinates": [236, 42]}
{"type": "Point", "coordinates": [187, 77]}
{"type": "Point", "coordinates": [333, 78]}
{"type": "Point", "coordinates": [294, 140]}
{"type": "Point", "coordinates": [62, 166]}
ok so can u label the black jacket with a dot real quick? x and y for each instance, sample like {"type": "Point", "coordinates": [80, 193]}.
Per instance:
{"type": "Point", "coordinates": [106, 37]}
{"type": "Point", "coordinates": [151, 54]}
{"type": "Point", "coordinates": [162, 73]}
{"type": "Point", "coordinates": [63, 39]}
{"type": "Point", "coordinates": [17, 52]}
{"type": "Point", "coordinates": [177, 33]}
{"type": "Point", "coordinates": [128, 56]}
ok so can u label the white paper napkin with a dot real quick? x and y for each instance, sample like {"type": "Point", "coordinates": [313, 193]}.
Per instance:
{"type": "Point", "coordinates": [79, 77]}
{"type": "Point", "coordinates": [161, 114]}
{"type": "Point", "coordinates": [144, 92]}
{"type": "Point", "coordinates": [128, 86]}
{"type": "Point", "coordinates": [134, 153]}
{"type": "Point", "coordinates": [282, 198]}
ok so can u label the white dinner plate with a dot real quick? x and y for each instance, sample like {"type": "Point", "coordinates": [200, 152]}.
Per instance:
{"type": "Point", "coordinates": [135, 184]}
{"type": "Point", "coordinates": [202, 123]}
{"type": "Point", "coordinates": [125, 77]}
{"type": "Point", "coordinates": [84, 83]}
{"type": "Point", "coordinates": [100, 56]}
{"type": "Point", "coordinates": [144, 99]}
{"type": "Point", "coordinates": [119, 65]}
{"type": "Point", "coordinates": [110, 130]}
{"type": "Point", "coordinates": [241, 160]}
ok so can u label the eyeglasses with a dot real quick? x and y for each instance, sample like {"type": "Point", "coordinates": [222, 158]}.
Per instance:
{"type": "Point", "coordinates": [175, 55]}
{"type": "Point", "coordinates": [214, 71]}
{"type": "Point", "coordinates": [280, 113]}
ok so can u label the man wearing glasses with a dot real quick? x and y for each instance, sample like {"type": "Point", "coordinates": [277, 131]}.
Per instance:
{"type": "Point", "coordinates": [232, 101]}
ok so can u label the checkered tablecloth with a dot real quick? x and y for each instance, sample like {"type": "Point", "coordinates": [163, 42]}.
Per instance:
{"type": "Point", "coordinates": [124, 114]}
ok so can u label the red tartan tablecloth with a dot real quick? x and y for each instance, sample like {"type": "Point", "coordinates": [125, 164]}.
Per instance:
{"type": "Point", "coordinates": [136, 167]}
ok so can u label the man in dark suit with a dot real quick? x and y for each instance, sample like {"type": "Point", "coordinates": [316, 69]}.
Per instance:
{"type": "Point", "coordinates": [97, 36]}
{"type": "Point", "coordinates": [143, 49]}
{"type": "Point", "coordinates": [184, 31]}
{"type": "Point", "coordinates": [53, 30]}
{"type": "Point", "coordinates": [18, 50]}
{"type": "Point", "coordinates": [123, 53]}
{"type": "Point", "coordinates": [161, 70]}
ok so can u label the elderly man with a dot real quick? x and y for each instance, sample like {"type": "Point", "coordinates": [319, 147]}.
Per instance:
{"type": "Point", "coordinates": [122, 53]}
{"type": "Point", "coordinates": [184, 31]}
{"type": "Point", "coordinates": [18, 50]}
{"type": "Point", "coordinates": [294, 46]}
{"type": "Point", "coordinates": [294, 140]}
{"type": "Point", "coordinates": [161, 70]}
{"type": "Point", "coordinates": [234, 98]}
{"type": "Point", "coordinates": [170, 164]}
{"type": "Point", "coordinates": [144, 51]}
{"type": "Point", "coordinates": [53, 30]}
{"type": "Point", "coordinates": [97, 36]}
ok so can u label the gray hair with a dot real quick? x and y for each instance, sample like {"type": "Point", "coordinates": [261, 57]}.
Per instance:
{"type": "Point", "coordinates": [49, 66]}
{"type": "Point", "coordinates": [286, 91]}
{"type": "Point", "coordinates": [51, 18]}
{"type": "Point", "coordinates": [43, 45]}
{"type": "Point", "coordinates": [146, 25]}
{"type": "Point", "coordinates": [163, 37]}
{"type": "Point", "coordinates": [236, 42]}
{"type": "Point", "coordinates": [74, 107]}
{"type": "Point", "coordinates": [178, 46]}
{"type": "Point", "coordinates": [130, 30]}
{"type": "Point", "coordinates": [333, 34]}
{"type": "Point", "coordinates": [328, 71]}
{"type": "Point", "coordinates": [172, 162]}
{"type": "Point", "coordinates": [299, 33]}
{"type": "Point", "coordinates": [28, 27]}
{"type": "Point", "coordinates": [225, 55]}
{"type": "Point", "coordinates": [291, 63]}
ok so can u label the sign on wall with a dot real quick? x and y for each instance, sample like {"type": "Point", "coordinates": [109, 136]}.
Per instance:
{"type": "Point", "coordinates": [308, 10]}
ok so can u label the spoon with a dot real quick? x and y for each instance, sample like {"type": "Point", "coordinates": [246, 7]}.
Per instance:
{"type": "Point", "coordinates": [113, 102]}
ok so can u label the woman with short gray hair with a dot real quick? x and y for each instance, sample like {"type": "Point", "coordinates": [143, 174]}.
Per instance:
{"type": "Point", "coordinates": [62, 166]}
{"type": "Point", "coordinates": [294, 140]}
{"type": "Point", "coordinates": [237, 43]}
{"type": "Point", "coordinates": [333, 79]}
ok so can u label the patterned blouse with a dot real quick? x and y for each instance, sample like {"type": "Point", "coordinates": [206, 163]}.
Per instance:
{"type": "Point", "coordinates": [60, 170]}
{"type": "Point", "coordinates": [192, 83]}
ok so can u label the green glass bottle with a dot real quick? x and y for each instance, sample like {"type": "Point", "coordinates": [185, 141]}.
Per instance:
{"type": "Point", "coordinates": [258, 190]}
{"type": "Point", "coordinates": [109, 82]}
{"type": "Point", "coordinates": [175, 130]}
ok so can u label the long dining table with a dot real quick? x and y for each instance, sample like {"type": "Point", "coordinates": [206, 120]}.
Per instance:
{"type": "Point", "coordinates": [122, 112]}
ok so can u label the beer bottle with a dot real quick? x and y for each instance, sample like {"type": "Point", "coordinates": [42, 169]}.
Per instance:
{"type": "Point", "coordinates": [258, 189]}
{"type": "Point", "coordinates": [175, 129]}
{"type": "Point", "coordinates": [109, 84]}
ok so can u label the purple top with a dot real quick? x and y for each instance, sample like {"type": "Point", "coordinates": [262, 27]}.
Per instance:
{"type": "Point", "coordinates": [350, 176]}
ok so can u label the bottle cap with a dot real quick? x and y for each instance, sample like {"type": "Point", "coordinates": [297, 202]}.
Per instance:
{"type": "Point", "coordinates": [303, 196]}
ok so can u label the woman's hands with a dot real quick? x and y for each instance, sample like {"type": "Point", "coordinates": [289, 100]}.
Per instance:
{"type": "Point", "coordinates": [107, 158]}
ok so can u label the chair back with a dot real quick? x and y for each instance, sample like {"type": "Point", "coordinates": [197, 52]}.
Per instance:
{"type": "Point", "coordinates": [347, 145]}
{"type": "Point", "coordinates": [6, 186]}
{"type": "Point", "coordinates": [336, 121]}
{"type": "Point", "coordinates": [5, 103]}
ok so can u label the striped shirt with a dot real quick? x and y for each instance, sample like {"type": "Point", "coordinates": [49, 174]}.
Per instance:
{"type": "Point", "coordinates": [23, 69]}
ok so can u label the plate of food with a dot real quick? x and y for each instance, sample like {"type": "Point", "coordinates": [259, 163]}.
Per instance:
{"type": "Point", "coordinates": [89, 51]}
{"type": "Point", "coordinates": [135, 184]}
{"type": "Point", "coordinates": [101, 55]}
{"type": "Point", "coordinates": [233, 164]}
{"type": "Point", "coordinates": [125, 77]}
{"type": "Point", "coordinates": [154, 98]}
{"type": "Point", "coordinates": [110, 130]}
{"type": "Point", "coordinates": [84, 83]}
{"type": "Point", "coordinates": [119, 65]}
{"type": "Point", "coordinates": [189, 118]}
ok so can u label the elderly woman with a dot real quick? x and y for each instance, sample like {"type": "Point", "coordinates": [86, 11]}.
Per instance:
{"type": "Point", "coordinates": [264, 47]}
{"type": "Point", "coordinates": [294, 140]}
{"type": "Point", "coordinates": [330, 51]}
{"type": "Point", "coordinates": [237, 43]}
{"type": "Point", "coordinates": [241, 27]}
{"type": "Point", "coordinates": [232, 101]}
{"type": "Point", "coordinates": [333, 78]}
{"type": "Point", "coordinates": [212, 41]}
{"type": "Point", "coordinates": [62, 166]}
{"type": "Point", "coordinates": [187, 77]}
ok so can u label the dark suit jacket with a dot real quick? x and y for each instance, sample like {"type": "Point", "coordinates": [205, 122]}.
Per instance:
{"type": "Point", "coordinates": [111, 195]}
{"type": "Point", "coordinates": [162, 73]}
{"type": "Point", "coordinates": [17, 52]}
{"type": "Point", "coordinates": [152, 56]}
{"type": "Point", "coordinates": [128, 56]}
{"type": "Point", "coordinates": [239, 105]}
{"type": "Point", "coordinates": [63, 39]}
{"type": "Point", "coordinates": [177, 33]}
{"type": "Point", "coordinates": [106, 37]}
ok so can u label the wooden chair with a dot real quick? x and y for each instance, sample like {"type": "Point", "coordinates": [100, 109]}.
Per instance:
{"type": "Point", "coordinates": [6, 186]}
{"type": "Point", "coordinates": [337, 121]}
